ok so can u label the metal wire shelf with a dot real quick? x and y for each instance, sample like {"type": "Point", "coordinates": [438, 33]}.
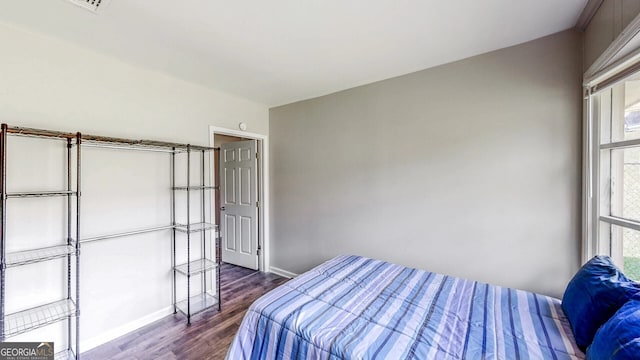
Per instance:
{"type": "Point", "coordinates": [27, 320]}
{"type": "Point", "coordinates": [197, 187]}
{"type": "Point", "coordinates": [196, 266]}
{"type": "Point", "coordinates": [196, 227]}
{"type": "Point", "coordinates": [41, 194]}
{"type": "Point", "coordinates": [37, 255]}
{"type": "Point", "coordinates": [66, 354]}
{"type": "Point", "coordinates": [106, 140]}
{"type": "Point", "coordinates": [130, 144]}
{"type": "Point", "coordinates": [199, 303]}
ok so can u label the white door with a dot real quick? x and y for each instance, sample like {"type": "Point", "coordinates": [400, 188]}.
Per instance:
{"type": "Point", "coordinates": [239, 202]}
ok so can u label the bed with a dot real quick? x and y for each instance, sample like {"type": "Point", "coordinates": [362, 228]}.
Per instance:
{"type": "Point", "coordinates": [353, 307]}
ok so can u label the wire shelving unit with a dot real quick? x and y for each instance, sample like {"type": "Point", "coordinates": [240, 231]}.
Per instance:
{"type": "Point", "coordinates": [23, 321]}
{"type": "Point", "coordinates": [203, 265]}
{"type": "Point", "coordinates": [69, 308]}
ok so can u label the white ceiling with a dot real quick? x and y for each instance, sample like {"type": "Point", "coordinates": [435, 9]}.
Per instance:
{"type": "Point", "coordinates": [279, 51]}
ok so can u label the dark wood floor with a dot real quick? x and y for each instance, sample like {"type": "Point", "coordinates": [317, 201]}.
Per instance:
{"type": "Point", "coordinates": [210, 332]}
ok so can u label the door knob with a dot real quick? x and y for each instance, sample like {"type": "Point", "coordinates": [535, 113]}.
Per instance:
{"type": "Point", "coordinates": [222, 208]}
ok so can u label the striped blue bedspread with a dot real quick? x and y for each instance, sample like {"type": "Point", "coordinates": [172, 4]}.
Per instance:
{"type": "Point", "coordinates": [353, 307]}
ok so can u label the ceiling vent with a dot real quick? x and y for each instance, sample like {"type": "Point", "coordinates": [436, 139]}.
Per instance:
{"type": "Point", "coordinates": [91, 5]}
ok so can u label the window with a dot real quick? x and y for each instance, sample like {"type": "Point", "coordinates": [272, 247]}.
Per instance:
{"type": "Point", "coordinates": [615, 123]}
{"type": "Point", "coordinates": [611, 158]}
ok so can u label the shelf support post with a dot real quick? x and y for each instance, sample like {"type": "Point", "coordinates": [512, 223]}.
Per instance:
{"type": "Point", "coordinates": [3, 231]}
{"type": "Point", "coordinates": [78, 196]}
{"type": "Point", "coordinates": [218, 235]}
{"type": "Point", "coordinates": [173, 222]}
{"type": "Point", "coordinates": [188, 235]}
{"type": "Point", "coordinates": [69, 205]}
{"type": "Point", "coordinates": [203, 220]}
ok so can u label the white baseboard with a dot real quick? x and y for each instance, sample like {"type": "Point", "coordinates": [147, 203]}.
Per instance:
{"type": "Point", "coordinates": [86, 345]}
{"type": "Point", "coordinates": [283, 273]}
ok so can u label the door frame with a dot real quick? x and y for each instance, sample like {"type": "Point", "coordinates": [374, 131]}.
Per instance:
{"type": "Point", "coordinates": [263, 187]}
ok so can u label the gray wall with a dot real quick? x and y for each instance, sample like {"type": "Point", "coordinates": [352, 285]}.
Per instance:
{"type": "Point", "coordinates": [470, 169]}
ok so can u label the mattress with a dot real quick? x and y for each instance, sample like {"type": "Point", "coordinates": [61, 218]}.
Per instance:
{"type": "Point", "coordinates": [353, 307]}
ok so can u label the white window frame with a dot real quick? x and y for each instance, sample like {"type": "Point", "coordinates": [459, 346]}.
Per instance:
{"type": "Point", "coordinates": [615, 65]}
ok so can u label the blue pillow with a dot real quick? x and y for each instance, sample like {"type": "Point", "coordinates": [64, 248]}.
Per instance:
{"type": "Point", "coordinates": [618, 338]}
{"type": "Point", "coordinates": [594, 294]}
